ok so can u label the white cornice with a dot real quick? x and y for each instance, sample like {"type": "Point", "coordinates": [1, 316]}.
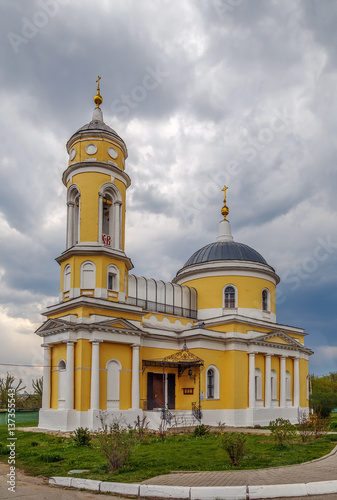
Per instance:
{"type": "Point", "coordinates": [92, 302]}
{"type": "Point", "coordinates": [95, 166]}
{"type": "Point", "coordinates": [226, 268]}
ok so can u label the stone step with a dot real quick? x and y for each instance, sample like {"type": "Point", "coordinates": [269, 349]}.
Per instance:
{"type": "Point", "coordinates": [183, 419]}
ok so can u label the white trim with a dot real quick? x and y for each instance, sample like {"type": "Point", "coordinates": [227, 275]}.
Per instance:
{"type": "Point", "coordinates": [250, 313]}
{"type": "Point", "coordinates": [114, 172]}
{"type": "Point", "coordinates": [227, 268]}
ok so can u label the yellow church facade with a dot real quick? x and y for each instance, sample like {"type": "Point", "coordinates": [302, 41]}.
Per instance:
{"type": "Point", "coordinates": [205, 346]}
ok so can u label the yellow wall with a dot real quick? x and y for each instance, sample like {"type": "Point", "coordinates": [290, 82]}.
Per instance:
{"type": "Point", "coordinates": [101, 263]}
{"type": "Point", "coordinates": [210, 291]}
{"type": "Point", "coordinates": [82, 375]}
{"type": "Point", "coordinates": [100, 155]}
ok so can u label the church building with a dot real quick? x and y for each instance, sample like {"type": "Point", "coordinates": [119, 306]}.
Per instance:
{"type": "Point", "coordinates": [204, 346]}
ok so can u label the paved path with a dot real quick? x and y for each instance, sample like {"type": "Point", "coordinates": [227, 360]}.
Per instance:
{"type": "Point", "coordinates": [323, 469]}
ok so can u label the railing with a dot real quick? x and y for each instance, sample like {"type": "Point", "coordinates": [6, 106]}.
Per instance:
{"type": "Point", "coordinates": [162, 308]}
{"type": "Point", "coordinates": [197, 412]}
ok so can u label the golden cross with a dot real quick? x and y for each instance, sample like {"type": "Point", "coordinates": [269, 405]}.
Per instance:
{"type": "Point", "coordinates": [98, 79]}
{"type": "Point", "coordinates": [224, 209]}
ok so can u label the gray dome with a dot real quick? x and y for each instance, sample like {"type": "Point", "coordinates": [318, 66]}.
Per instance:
{"type": "Point", "coordinates": [97, 126]}
{"type": "Point", "coordinates": [225, 250]}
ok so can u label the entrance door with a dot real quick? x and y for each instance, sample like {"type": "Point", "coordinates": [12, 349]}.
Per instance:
{"type": "Point", "coordinates": [160, 390]}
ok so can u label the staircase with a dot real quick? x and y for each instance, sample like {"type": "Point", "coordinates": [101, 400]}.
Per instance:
{"type": "Point", "coordinates": [182, 419]}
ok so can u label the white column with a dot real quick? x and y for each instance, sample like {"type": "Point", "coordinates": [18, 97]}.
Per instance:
{"type": "Point", "coordinates": [117, 224]}
{"type": "Point", "coordinates": [282, 381]}
{"type": "Point", "coordinates": [251, 390]}
{"type": "Point", "coordinates": [100, 217]}
{"type": "Point", "coordinates": [70, 220]}
{"type": "Point", "coordinates": [46, 378]}
{"type": "Point", "coordinates": [296, 382]}
{"type": "Point", "coordinates": [267, 381]}
{"type": "Point", "coordinates": [69, 403]}
{"type": "Point", "coordinates": [135, 377]}
{"type": "Point", "coordinates": [94, 389]}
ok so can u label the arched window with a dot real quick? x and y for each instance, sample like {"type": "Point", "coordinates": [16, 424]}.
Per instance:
{"type": "Point", "coordinates": [212, 382]}
{"type": "Point", "coordinates": [258, 384]}
{"type": "Point", "coordinates": [288, 386]}
{"type": "Point", "coordinates": [113, 278]}
{"type": "Point", "coordinates": [88, 275]}
{"type": "Point", "coordinates": [62, 383]}
{"type": "Point", "coordinates": [273, 381]}
{"type": "Point", "coordinates": [66, 278]}
{"type": "Point", "coordinates": [110, 215]}
{"type": "Point", "coordinates": [265, 300]}
{"type": "Point", "coordinates": [73, 216]}
{"type": "Point", "coordinates": [230, 297]}
{"type": "Point", "coordinates": [113, 367]}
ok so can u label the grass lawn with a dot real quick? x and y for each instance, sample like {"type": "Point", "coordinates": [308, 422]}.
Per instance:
{"type": "Point", "coordinates": [47, 455]}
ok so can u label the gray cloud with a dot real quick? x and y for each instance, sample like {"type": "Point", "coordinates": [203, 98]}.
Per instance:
{"type": "Point", "coordinates": [245, 98]}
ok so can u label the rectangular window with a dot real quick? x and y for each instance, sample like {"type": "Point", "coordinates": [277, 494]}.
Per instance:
{"type": "Point", "coordinates": [111, 281]}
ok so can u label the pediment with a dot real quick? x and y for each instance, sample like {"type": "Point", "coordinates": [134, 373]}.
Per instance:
{"type": "Point", "coordinates": [53, 326]}
{"type": "Point", "coordinates": [278, 338]}
{"type": "Point", "coordinates": [116, 324]}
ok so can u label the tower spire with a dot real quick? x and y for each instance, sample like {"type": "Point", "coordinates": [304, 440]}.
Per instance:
{"type": "Point", "coordinates": [225, 209]}
{"type": "Point", "coordinates": [225, 233]}
{"type": "Point", "coordinates": [98, 99]}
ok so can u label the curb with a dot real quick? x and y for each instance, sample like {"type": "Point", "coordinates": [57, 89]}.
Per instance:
{"type": "Point", "coordinates": [200, 492]}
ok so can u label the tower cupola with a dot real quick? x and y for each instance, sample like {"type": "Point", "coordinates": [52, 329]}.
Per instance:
{"type": "Point", "coordinates": [94, 262]}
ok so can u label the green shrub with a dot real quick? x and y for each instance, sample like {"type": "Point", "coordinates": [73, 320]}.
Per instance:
{"type": "Point", "coordinates": [282, 431]}
{"type": "Point", "coordinates": [333, 426]}
{"type": "Point", "coordinates": [82, 437]}
{"type": "Point", "coordinates": [201, 430]}
{"type": "Point", "coordinates": [34, 443]}
{"type": "Point", "coordinates": [323, 402]}
{"type": "Point", "coordinates": [116, 443]}
{"type": "Point", "coordinates": [234, 444]}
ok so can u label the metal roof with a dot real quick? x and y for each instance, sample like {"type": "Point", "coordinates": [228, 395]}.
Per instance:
{"type": "Point", "coordinates": [225, 250]}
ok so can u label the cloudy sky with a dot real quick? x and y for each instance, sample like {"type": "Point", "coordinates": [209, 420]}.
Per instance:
{"type": "Point", "coordinates": [204, 93]}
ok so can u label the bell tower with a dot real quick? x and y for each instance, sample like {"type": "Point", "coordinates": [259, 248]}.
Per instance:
{"type": "Point", "coordinates": [94, 263]}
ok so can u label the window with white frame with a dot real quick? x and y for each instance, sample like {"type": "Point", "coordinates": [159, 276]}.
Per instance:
{"type": "Point", "coordinates": [73, 215]}
{"type": "Point", "coordinates": [229, 297]}
{"type": "Point", "coordinates": [110, 215]}
{"type": "Point", "coordinates": [265, 300]}
{"type": "Point", "coordinates": [66, 278]}
{"type": "Point", "coordinates": [212, 382]}
{"type": "Point", "coordinates": [113, 278]}
{"type": "Point", "coordinates": [88, 275]}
